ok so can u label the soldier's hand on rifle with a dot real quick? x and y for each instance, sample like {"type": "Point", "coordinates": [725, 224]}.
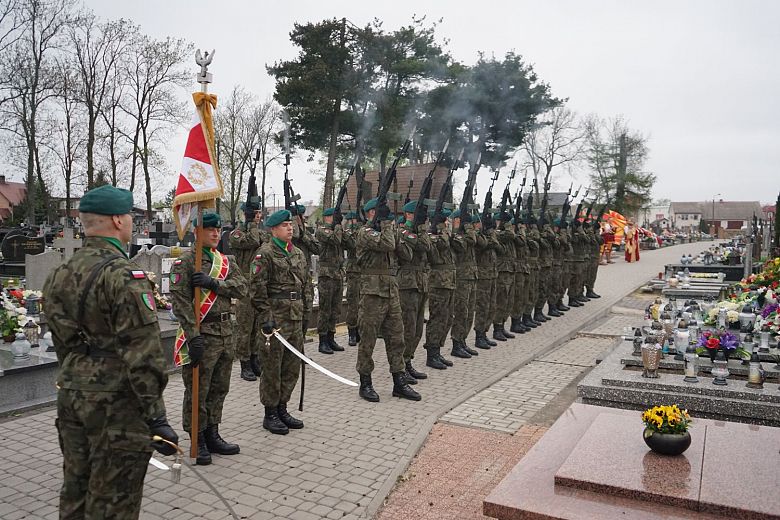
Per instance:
{"type": "Point", "coordinates": [196, 346]}
{"type": "Point", "coordinates": [337, 218]}
{"type": "Point", "coordinates": [161, 428]}
{"type": "Point", "coordinates": [200, 279]}
{"type": "Point", "coordinates": [268, 327]}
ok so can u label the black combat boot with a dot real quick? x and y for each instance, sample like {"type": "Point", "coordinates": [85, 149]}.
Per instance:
{"type": "Point", "coordinates": [529, 322]}
{"type": "Point", "coordinates": [216, 444]}
{"type": "Point", "coordinates": [357, 334]}
{"type": "Point", "coordinates": [402, 389]}
{"type": "Point", "coordinates": [408, 378]}
{"type": "Point", "coordinates": [573, 302]}
{"type": "Point", "coordinates": [539, 316]}
{"type": "Point", "coordinates": [458, 350]}
{"type": "Point", "coordinates": [591, 294]}
{"type": "Point", "coordinates": [468, 349]}
{"type": "Point", "coordinates": [498, 332]}
{"type": "Point", "coordinates": [254, 362]}
{"type": "Point", "coordinates": [517, 326]}
{"type": "Point", "coordinates": [414, 372]}
{"type": "Point", "coordinates": [335, 347]}
{"type": "Point", "coordinates": [553, 311]}
{"type": "Point", "coordinates": [561, 307]}
{"type": "Point", "coordinates": [432, 358]}
{"type": "Point", "coordinates": [506, 333]}
{"type": "Point", "coordinates": [582, 298]}
{"type": "Point", "coordinates": [367, 391]}
{"type": "Point", "coordinates": [481, 341]}
{"type": "Point", "coordinates": [443, 359]}
{"type": "Point", "coordinates": [353, 336]}
{"type": "Point", "coordinates": [288, 420]}
{"type": "Point", "coordinates": [246, 371]}
{"type": "Point", "coordinates": [325, 344]}
{"type": "Point", "coordinates": [273, 423]}
{"type": "Point", "coordinates": [204, 456]}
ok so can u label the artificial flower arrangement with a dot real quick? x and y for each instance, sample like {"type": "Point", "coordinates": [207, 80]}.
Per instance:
{"type": "Point", "coordinates": [732, 312]}
{"type": "Point", "coordinates": [768, 320]}
{"type": "Point", "coordinates": [704, 275]}
{"type": "Point", "coordinates": [12, 318]}
{"type": "Point", "coordinates": [711, 341]}
{"type": "Point", "coordinates": [667, 419]}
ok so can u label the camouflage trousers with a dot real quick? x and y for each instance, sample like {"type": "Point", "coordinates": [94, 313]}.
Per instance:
{"type": "Point", "coordinates": [331, 294]}
{"type": "Point", "coordinates": [554, 283]}
{"type": "Point", "coordinates": [576, 279]}
{"type": "Point", "coordinates": [246, 330]}
{"type": "Point", "coordinates": [518, 295]}
{"type": "Point", "coordinates": [380, 315]}
{"type": "Point", "coordinates": [568, 267]}
{"type": "Point", "coordinates": [353, 299]}
{"type": "Point", "coordinates": [308, 287]}
{"type": "Point", "coordinates": [543, 287]}
{"type": "Point", "coordinates": [213, 382]}
{"type": "Point", "coordinates": [486, 302]}
{"type": "Point", "coordinates": [280, 366]}
{"type": "Point", "coordinates": [413, 315]}
{"type": "Point", "coordinates": [504, 283]}
{"type": "Point", "coordinates": [593, 269]}
{"type": "Point", "coordinates": [440, 309]}
{"type": "Point", "coordinates": [105, 448]}
{"type": "Point", "coordinates": [463, 310]}
{"type": "Point", "coordinates": [532, 287]}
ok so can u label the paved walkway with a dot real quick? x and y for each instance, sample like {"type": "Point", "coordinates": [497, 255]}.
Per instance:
{"type": "Point", "coordinates": [347, 459]}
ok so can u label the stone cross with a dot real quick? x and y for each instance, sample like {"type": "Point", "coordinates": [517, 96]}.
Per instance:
{"type": "Point", "coordinates": [158, 234]}
{"type": "Point", "coordinates": [67, 243]}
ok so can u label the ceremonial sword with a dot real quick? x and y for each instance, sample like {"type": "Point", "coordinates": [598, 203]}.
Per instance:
{"type": "Point", "coordinates": [306, 360]}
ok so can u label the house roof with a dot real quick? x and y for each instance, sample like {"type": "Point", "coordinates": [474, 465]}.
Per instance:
{"type": "Point", "coordinates": [724, 210]}
{"type": "Point", "coordinates": [15, 192]}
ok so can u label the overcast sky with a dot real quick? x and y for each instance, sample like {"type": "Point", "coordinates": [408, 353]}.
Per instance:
{"type": "Point", "coordinates": [699, 78]}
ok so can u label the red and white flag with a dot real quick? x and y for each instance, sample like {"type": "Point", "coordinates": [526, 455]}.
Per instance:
{"type": "Point", "coordinates": [199, 177]}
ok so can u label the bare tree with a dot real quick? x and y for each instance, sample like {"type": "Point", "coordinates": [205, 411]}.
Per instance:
{"type": "Point", "coordinates": [98, 48]}
{"type": "Point", "coordinates": [30, 81]}
{"type": "Point", "coordinates": [234, 152]}
{"type": "Point", "coordinates": [556, 140]}
{"type": "Point", "coordinates": [154, 72]}
{"type": "Point", "coordinates": [266, 123]}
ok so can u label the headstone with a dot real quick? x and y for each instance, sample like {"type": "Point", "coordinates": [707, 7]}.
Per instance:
{"type": "Point", "coordinates": [15, 248]}
{"type": "Point", "coordinates": [151, 260]}
{"type": "Point", "coordinates": [159, 236]}
{"type": "Point", "coordinates": [188, 239]}
{"type": "Point", "coordinates": [67, 243]}
{"type": "Point", "coordinates": [38, 267]}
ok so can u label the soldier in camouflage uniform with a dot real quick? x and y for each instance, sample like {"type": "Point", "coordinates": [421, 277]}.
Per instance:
{"type": "Point", "coordinates": [243, 244]}
{"type": "Point", "coordinates": [277, 289]}
{"type": "Point", "coordinates": [110, 383]}
{"type": "Point", "coordinates": [568, 261]}
{"type": "Point", "coordinates": [556, 271]}
{"type": "Point", "coordinates": [330, 279]}
{"type": "Point", "coordinates": [441, 299]}
{"type": "Point", "coordinates": [520, 289]}
{"type": "Point", "coordinates": [506, 277]}
{"type": "Point", "coordinates": [413, 290]}
{"type": "Point", "coordinates": [380, 308]}
{"type": "Point", "coordinates": [463, 241]}
{"type": "Point", "coordinates": [486, 248]}
{"type": "Point", "coordinates": [545, 267]}
{"type": "Point", "coordinates": [579, 244]}
{"type": "Point", "coordinates": [211, 348]}
{"type": "Point", "coordinates": [304, 240]}
{"type": "Point", "coordinates": [349, 241]}
{"type": "Point", "coordinates": [595, 242]}
{"type": "Point", "coordinates": [533, 240]}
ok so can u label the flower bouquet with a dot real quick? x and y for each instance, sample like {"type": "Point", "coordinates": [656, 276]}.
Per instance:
{"type": "Point", "coordinates": [666, 429]}
{"type": "Point", "coordinates": [768, 320]}
{"type": "Point", "coordinates": [12, 319]}
{"type": "Point", "coordinates": [712, 341]}
{"type": "Point", "coordinates": [732, 312]}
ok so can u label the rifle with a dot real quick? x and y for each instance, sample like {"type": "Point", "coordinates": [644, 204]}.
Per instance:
{"type": "Point", "coordinates": [543, 210]}
{"type": "Point", "coordinates": [252, 200]}
{"type": "Point", "coordinates": [444, 193]}
{"type": "Point", "coordinates": [566, 206]}
{"type": "Point", "coordinates": [465, 202]}
{"type": "Point", "coordinates": [409, 189]}
{"type": "Point", "coordinates": [389, 178]}
{"type": "Point", "coordinates": [519, 199]}
{"type": "Point", "coordinates": [506, 198]}
{"type": "Point", "coordinates": [487, 207]}
{"type": "Point", "coordinates": [337, 216]}
{"type": "Point", "coordinates": [423, 200]}
{"type": "Point", "coordinates": [529, 206]}
{"type": "Point", "coordinates": [359, 181]}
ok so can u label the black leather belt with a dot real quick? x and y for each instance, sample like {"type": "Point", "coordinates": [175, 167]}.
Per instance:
{"type": "Point", "coordinates": [292, 296]}
{"type": "Point", "coordinates": [214, 318]}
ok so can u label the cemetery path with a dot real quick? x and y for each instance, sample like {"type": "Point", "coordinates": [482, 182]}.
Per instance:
{"type": "Point", "coordinates": [348, 458]}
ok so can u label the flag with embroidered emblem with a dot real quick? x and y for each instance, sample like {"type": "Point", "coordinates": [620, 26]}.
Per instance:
{"type": "Point", "coordinates": [199, 178]}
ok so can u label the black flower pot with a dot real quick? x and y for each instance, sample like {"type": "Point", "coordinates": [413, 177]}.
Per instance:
{"type": "Point", "coordinates": [667, 443]}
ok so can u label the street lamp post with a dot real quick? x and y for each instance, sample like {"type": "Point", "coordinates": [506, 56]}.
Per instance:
{"type": "Point", "coordinates": [714, 226]}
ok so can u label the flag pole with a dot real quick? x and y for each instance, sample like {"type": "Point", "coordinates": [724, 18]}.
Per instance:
{"type": "Point", "coordinates": [204, 78]}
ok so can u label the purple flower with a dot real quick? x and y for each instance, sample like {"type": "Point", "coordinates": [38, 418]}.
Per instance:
{"type": "Point", "coordinates": [769, 309]}
{"type": "Point", "coordinates": [728, 341]}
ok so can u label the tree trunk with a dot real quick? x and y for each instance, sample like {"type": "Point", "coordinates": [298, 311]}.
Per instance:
{"type": "Point", "coordinates": [31, 189]}
{"type": "Point", "coordinates": [90, 145]}
{"type": "Point", "coordinates": [620, 184]}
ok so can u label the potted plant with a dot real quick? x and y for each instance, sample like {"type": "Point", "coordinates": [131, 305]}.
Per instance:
{"type": "Point", "coordinates": [712, 341]}
{"type": "Point", "coordinates": [666, 429]}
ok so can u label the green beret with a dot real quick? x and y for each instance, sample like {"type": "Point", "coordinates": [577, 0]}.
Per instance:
{"type": "Point", "coordinates": [370, 204]}
{"type": "Point", "coordinates": [328, 212]}
{"type": "Point", "coordinates": [401, 219]}
{"type": "Point", "coordinates": [210, 219]}
{"type": "Point", "coordinates": [455, 214]}
{"type": "Point", "coordinates": [107, 200]}
{"type": "Point", "coordinates": [446, 213]}
{"type": "Point", "coordinates": [278, 217]}
{"type": "Point", "coordinates": [350, 215]}
{"type": "Point", "coordinates": [475, 219]}
{"type": "Point", "coordinates": [300, 209]}
{"type": "Point", "coordinates": [410, 206]}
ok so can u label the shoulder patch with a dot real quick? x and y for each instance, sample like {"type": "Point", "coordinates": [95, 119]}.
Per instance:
{"type": "Point", "coordinates": [138, 275]}
{"type": "Point", "coordinates": [236, 233]}
{"type": "Point", "coordinates": [177, 262]}
{"type": "Point", "coordinates": [175, 278]}
{"type": "Point", "coordinates": [147, 309]}
{"type": "Point", "coordinates": [148, 299]}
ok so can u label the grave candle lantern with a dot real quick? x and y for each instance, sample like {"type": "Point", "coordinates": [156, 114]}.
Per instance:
{"type": "Point", "coordinates": [31, 333]}
{"type": "Point", "coordinates": [32, 304]}
{"type": "Point", "coordinates": [691, 365]}
{"type": "Point", "coordinates": [764, 348]}
{"type": "Point", "coordinates": [720, 369]}
{"type": "Point", "coordinates": [746, 319]}
{"type": "Point", "coordinates": [756, 373]}
{"type": "Point", "coordinates": [681, 340]}
{"type": "Point", "coordinates": [722, 315]}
